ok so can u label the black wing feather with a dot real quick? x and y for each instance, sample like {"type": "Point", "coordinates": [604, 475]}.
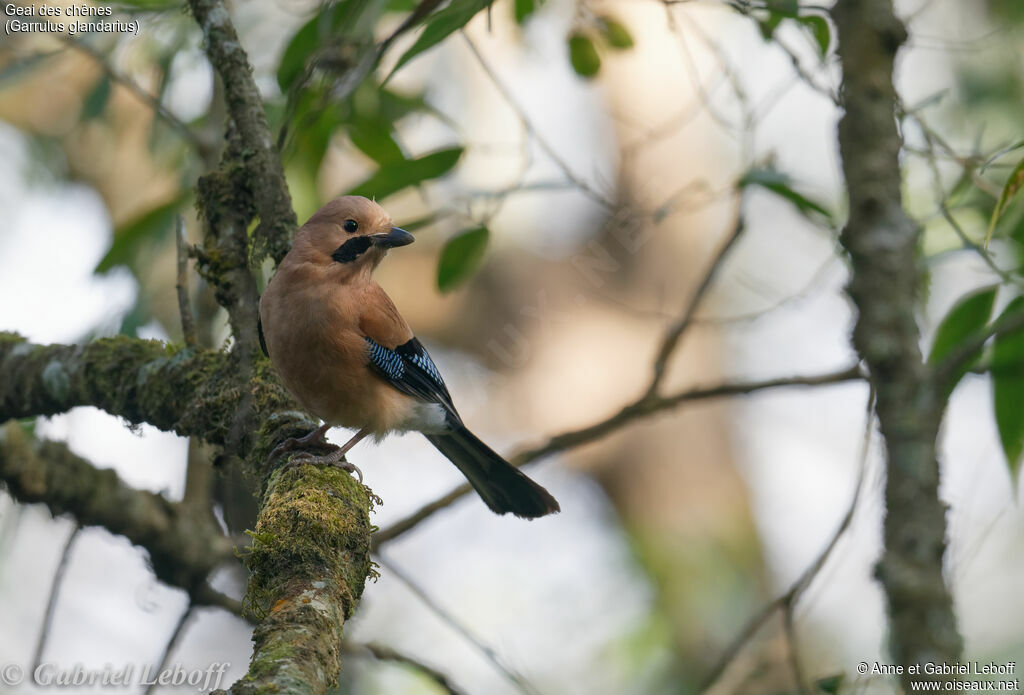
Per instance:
{"type": "Point", "coordinates": [259, 330]}
{"type": "Point", "coordinates": [410, 370]}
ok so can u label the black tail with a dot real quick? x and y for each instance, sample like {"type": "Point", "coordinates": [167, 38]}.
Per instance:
{"type": "Point", "coordinates": [500, 484]}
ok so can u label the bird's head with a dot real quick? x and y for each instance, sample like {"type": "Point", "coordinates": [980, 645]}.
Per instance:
{"type": "Point", "coordinates": [349, 234]}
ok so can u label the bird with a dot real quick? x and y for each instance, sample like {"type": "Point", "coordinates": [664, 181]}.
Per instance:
{"type": "Point", "coordinates": [342, 349]}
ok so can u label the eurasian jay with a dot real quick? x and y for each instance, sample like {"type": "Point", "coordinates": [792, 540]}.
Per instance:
{"type": "Point", "coordinates": [342, 349]}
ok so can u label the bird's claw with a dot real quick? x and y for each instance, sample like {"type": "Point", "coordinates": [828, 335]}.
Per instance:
{"type": "Point", "coordinates": [313, 440]}
{"type": "Point", "coordinates": [336, 459]}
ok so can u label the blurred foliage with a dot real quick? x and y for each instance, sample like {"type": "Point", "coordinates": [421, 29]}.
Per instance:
{"type": "Point", "coordinates": [604, 31]}
{"type": "Point", "coordinates": [152, 227]}
{"type": "Point", "coordinates": [984, 198]}
{"type": "Point", "coordinates": [1008, 388]}
{"type": "Point", "coordinates": [460, 257]}
{"type": "Point", "coordinates": [583, 54]}
{"type": "Point", "coordinates": [1014, 184]}
{"type": "Point", "coordinates": [324, 100]}
{"type": "Point", "coordinates": [966, 320]}
{"type": "Point", "coordinates": [781, 184]}
{"type": "Point", "coordinates": [775, 12]}
{"type": "Point", "coordinates": [326, 97]}
{"type": "Point", "coordinates": [440, 26]}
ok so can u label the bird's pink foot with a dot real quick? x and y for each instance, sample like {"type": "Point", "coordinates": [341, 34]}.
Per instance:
{"type": "Point", "coordinates": [336, 458]}
{"type": "Point", "coordinates": [314, 440]}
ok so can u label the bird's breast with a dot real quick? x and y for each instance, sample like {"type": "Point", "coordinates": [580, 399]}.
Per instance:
{"type": "Point", "coordinates": [321, 357]}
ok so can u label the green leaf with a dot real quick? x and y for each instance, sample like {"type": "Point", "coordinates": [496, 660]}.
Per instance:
{"type": "Point", "coordinates": [372, 137]}
{"type": "Point", "coordinates": [439, 26]}
{"type": "Point", "coordinates": [460, 257]}
{"type": "Point", "coordinates": [1013, 186]}
{"type": "Point", "coordinates": [1008, 389]}
{"type": "Point", "coordinates": [583, 55]}
{"type": "Point", "coordinates": [293, 61]}
{"type": "Point", "coordinates": [968, 316]}
{"type": "Point", "coordinates": [820, 30]}
{"type": "Point", "coordinates": [393, 105]}
{"type": "Point", "coordinates": [615, 33]}
{"type": "Point", "coordinates": [830, 684]}
{"type": "Point", "coordinates": [314, 122]}
{"type": "Point", "coordinates": [522, 9]}
{"type": "Point", "coordinates": [130, 238]}
{"type": "Point", "coordinates": [768, 26]}
{"type": "Point", "coordinates": [1001, 152]}
{"type": "Point", "coordinates": [966, 319]}
{"type": "Point", "coordinates": [96, 101]}
{"type": "Point", "coordinates": [398, 175]}
{"type": "Point", "coordinates": [781, 185]}
{"type": "Point", "coordinates": [401, 6]}
{"type": "Point", "coordinates": [333, 19]}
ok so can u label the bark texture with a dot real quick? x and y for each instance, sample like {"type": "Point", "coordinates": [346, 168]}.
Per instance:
{"type": "Point", "coordinates": [309, 563]}
{"type": "Point", "coordinates": [882, 242]}
{"type": "Point", "coordinates": [310, 554]}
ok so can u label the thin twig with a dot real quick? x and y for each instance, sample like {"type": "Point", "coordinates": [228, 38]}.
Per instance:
{"type": "Point", "coordinates": [931, 139]}
{"type": "Point", "coordinates": [676, 330]}
{"type": "Point", "coordinates": [642, 407]}
{"type": "Point", "coordinates": [201, 147]}
{"type": "Point", "coordinates": [746, 317]}
{"type": "Point", "coordinates": [827, 91]}
{"type": "Point", "coordinates": [969, 163]}
{"type": "Point", "coordinates": [179, 630]}
{"type": "Point", "coordinates": [787, 601]}
{"type": "Point", "coordinates": [515, 678]}
{"type": "Point", "coordinates": [188, 321]}
{"type": "Point", "coordinates": [789, 628]}
{"type": "Point", "coordinates": [674, 124]}
{"type": "Point", "coordinates": [748, 633]}
{"type": "Point", "coordinates": [51, 603]}
{"type": "Point", "coordinates": [695, 76]}
{"type": "Point", "coordinates": [383, 652]}
{"type": "Point", "coordinates": [206, 595]}
{"type": "Point", "coordinates": [582, 185]}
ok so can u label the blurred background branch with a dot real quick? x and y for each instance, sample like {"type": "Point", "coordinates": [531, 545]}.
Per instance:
{"type": "Point", "coordinates": [571, 168]}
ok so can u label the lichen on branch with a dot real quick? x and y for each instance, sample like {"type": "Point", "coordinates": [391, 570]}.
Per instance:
{"type": "Point", "coordinates": [309, 562]}
{"type": "Point", "coordinates": [256, 155]}
{"type": "Point", "coordinates": [188, 391]}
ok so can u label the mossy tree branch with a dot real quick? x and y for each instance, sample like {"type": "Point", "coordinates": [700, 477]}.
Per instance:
{"type": "Point", "coordinates": [310, 556]}
{"type": "Point", "coordinates": [883, 245]}
{"type": "Point", "coordinates": [183, 390]}
{"type": "Point", "coordinates": [254, 165]}
{"type": "Point", "coordinates": [183, 547]}
{"type": "Point", "coordinates": [309, 562]}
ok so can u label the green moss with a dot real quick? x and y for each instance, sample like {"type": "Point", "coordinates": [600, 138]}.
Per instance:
{"type": "Point", "coordinates": [10, 338]}
{"type": "Point", "coordinates": [314, 527]}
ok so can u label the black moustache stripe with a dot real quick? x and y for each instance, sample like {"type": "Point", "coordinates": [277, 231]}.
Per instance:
{"type": "Point", "coordinates": [352, 249]}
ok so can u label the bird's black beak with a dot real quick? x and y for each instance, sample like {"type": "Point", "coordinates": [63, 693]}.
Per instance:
{"type": "Point", "coordinates": [396, 237]}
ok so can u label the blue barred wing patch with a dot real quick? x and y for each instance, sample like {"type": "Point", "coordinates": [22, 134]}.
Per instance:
{"type": "Point", "coordinates": [423, 361]}
{"type": "Point", "coordinates": [387, 361]}
{"type": "Point", "coordinates": [410, 369]}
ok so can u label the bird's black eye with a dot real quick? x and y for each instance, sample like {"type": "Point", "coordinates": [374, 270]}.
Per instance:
{"type": "Point", "coordinates": [351, 226]}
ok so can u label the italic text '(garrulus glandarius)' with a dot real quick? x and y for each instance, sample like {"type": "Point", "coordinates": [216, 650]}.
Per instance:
{"type": "Point", "coordinates": [342, 349]}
